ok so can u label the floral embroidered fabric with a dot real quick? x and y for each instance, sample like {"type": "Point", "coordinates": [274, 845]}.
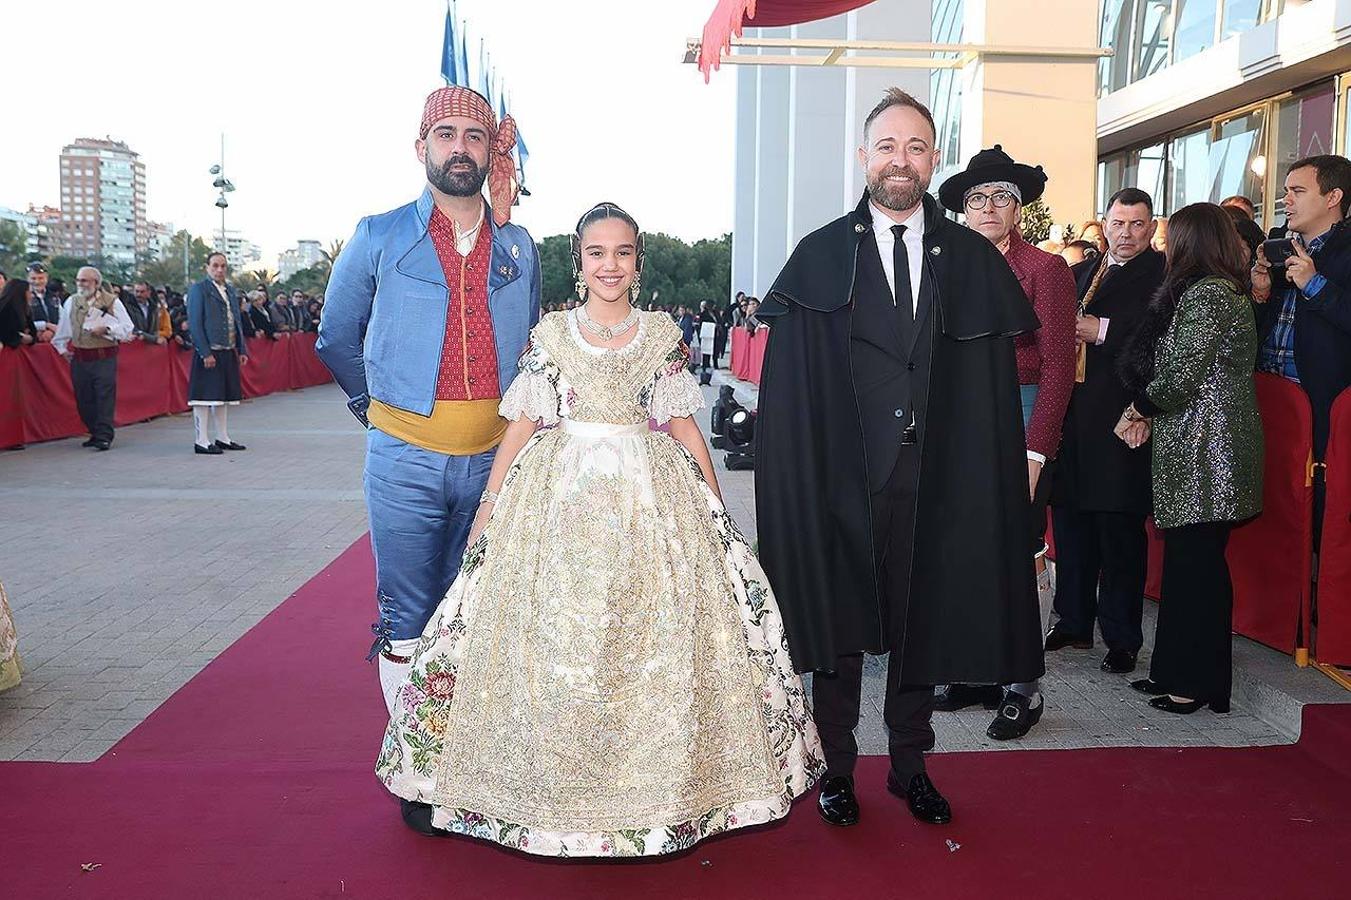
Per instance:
{"type": "Point", "coordinates": [10, 666]}
{"type": "Point", "coordinates": [608, 676]}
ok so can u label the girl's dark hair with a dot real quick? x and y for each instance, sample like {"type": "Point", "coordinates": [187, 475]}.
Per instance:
{"type": "Point", "coordinates": [1203, 242]}
{"type": "Point", "coordinates": [597, 213]}
{"type": "Point", "coordinates": [15, 291]}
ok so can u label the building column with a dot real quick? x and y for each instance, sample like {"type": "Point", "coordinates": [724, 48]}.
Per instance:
{"type": "Point", "coordinates": [743, 184]}
{"type": "Point", "coordinates": [816, 181]}
{"type": "Point", "coordinates": [1041, 110]}
{"type": "Point", "coordinates": [772, 138]}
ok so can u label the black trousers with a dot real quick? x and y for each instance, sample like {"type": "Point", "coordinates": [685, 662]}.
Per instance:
{"type": "Point", "coordinates": [1101, 562]}
{"type": "Point", "coordinates": [1192, 647]}
{"type": "Point", "coordinates": [907, 708]}
{"type": "Point", "coordinates": [95, 383]}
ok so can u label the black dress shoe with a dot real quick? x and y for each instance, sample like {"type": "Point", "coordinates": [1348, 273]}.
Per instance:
{"type": "Point", "coordinates": [1056, 639]}
{"type": "Point", "coordinates": [1016, 716]}
{"type": "Point", "coordinates": [1146, 686]}
{"type": "Point", "coordinates": [102, 445]}
{"type": "Point", "coordinates": [837, 802]}
{"type": "Point", "coordinates": [925, 803]}
{"type": "Point", "coordinates": [89, 443]}
{"type": "Point", "coordinates": [1119, 662]}
{"type": "Point", "coordinates": [1168, 704]}
{"type": "Point", "coordinates": [230, 445]}
{"type": "Point", "coordinates": [213, 450]}
{"type": "Point", "coordinates": [418, 816]}
{"type": "Point", "coordinates": [959, 696]}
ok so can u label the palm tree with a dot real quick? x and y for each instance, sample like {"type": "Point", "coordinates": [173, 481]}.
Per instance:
{"type": "Point", "coordinates": [331, 254]}
{"type": "Point", "coordinates": [264, 277]}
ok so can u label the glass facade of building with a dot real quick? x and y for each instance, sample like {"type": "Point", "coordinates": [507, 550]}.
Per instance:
{"type": "Point", "coordinates": [945, 88]}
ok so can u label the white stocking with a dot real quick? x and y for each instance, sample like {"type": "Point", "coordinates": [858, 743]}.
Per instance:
{"type": "Point", "coordinates": [392, 674]}
{"type": "Point", "coordinates": [201, 432]}
{"type": "Point", "coordinates": [218, 423]}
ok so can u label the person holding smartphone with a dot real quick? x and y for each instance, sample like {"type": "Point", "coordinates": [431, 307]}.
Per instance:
{"type": "Point", "coordinates": [1302, 286]}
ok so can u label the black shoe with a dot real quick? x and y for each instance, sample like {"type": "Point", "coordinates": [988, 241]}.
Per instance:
{"type": "Point", "coordinates": [213, 450]}
{"type": "Point", "coordinates": [959, 696]}
{"type": "Point", "coordinates": [1057, 639]}
{"type": "Point", "coordinates": [1119, 662]}
{"type": "Point", "coordinates": [1168, 704]}
{"type": "Point", "coordinates": [1016, 716]}
{"type": "Point", "coordinates": [89, 443]}
{"type": "Point", "coordinates": [1146, 686]}
{"type": "Point", "coordinates": [418, 816]}
{"type": "Point", "coordinates": [925, 803]}
{"type": "Point", "coordinates": [230, 445]}
{"type": "Point", "coordinates": [837, 802]}
{"type": "Point", "coordinates": [102, 445]}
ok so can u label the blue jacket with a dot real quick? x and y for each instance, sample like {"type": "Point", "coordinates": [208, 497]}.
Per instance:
{"type": "Point", "coordinates": [385, 308]}
{"type": "Point", "coordinates": [207, 319]}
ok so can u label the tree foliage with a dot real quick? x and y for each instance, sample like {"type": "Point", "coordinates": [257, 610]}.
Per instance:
{"type": "Point", "coordinates": [674, 273]}
{"type": "Point", "coordinates": [13, 248]}
{"type": "Point", "coordinates": [168, 269]}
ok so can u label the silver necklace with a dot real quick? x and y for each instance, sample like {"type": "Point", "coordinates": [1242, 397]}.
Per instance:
{"type": "Point", "coordinates": [606, 332]}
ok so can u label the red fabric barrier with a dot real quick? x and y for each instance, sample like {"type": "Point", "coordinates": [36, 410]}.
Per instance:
{"type": "Point", "coordinates": [741, 340]}
{"type": "Point", "coordinates": [306, 369]}
{"type": "Point", "coordinates": [38, 404]}
{"type": "Point", "coordinates": [11, 399]}
{"type": "Point", "coordinates": [142, 375]}
{"type": "Point", "coordinates": [756, 355]}
{"type": "Point", "coordinates": [1270, 558]}
{"type": "Point", "coordinates": [1333, 643]}
{"type": "Point", "coordinates": [1154, 567]}
{"type": "Point", "coordinates": [48, 398]}
{"type": "Point", "coordinates": [269, 367]}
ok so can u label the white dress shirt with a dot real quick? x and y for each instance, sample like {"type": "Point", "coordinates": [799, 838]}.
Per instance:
{"type": "Point", "coordinates": [914, 248]}
{"type": "Point", "coordinates": [119, 324]}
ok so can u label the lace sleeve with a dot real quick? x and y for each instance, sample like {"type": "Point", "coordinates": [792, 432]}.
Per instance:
{"type": "Point", "coordinates": [675, 392]}
{"type": "Point", "coordinates": [534, 392]}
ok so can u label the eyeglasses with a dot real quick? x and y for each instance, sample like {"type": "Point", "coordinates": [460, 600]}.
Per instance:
{"type": "Point", "coordinates": [1001, 199]}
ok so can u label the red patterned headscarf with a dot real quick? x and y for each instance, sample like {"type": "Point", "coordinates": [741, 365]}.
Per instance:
{"type": "Point", "coordinates": [461, 101]}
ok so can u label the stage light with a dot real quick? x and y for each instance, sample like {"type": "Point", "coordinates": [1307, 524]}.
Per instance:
{"type": "Point", "coordinates": [733, 427]}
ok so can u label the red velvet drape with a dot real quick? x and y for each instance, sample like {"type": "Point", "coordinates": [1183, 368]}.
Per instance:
{"type": "Point", "coordinates": [1334, 561]}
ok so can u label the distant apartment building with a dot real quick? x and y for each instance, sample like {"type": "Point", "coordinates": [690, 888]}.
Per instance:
{"type": "Point", "coordinates": [240, 253]}
{"type": "Point", "coordinates": [102, 201]}
{"type": "Point", "coordinates": [299, 258]}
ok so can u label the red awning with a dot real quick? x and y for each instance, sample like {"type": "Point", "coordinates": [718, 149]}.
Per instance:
{"type": "Point", "coordinates": [731, 16]}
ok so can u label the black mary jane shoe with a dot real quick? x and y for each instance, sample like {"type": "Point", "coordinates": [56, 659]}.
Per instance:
{"type": "Point", "coordinates": [230, 445]}
{"type": "Point", "coordinates": [1016, 716]}
{"type": "Point", "coordinates": [925, 803]}
{"type": "Point", "coordinates": [212, 450]}
{"type": "Point", "coordinates": [959, 696]}
{"type": "Point", "coordinates": [418, 816]}
{"type": "Point", "coordinates": [837, 803]}
{"type": "Point", "coordinates": [1186, 708]}
{"type": "Point", "coordinates": [1118, 662]}
{"type": "Point", "coordinates": [1147, 686]}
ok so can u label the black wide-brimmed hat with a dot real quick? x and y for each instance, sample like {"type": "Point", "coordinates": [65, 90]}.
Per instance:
{"type": "Point", "coordinates": [987, 166]}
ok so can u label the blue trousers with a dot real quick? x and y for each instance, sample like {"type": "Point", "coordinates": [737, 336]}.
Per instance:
{"type": "Point", "coordinates": [421, 505]}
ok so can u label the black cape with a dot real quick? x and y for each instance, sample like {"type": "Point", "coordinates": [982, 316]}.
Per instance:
{"type": "Point", "coordinates": [972, 613]}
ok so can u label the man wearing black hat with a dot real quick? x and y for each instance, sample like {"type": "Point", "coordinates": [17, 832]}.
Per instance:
{"type": "Point", "coordinates": [890, 479]}
{"type": "Point", "coordinates": [991, 193]}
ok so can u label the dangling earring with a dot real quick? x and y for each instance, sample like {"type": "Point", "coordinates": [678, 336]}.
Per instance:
{"type": "Point", "coordinates": [580, 287]}
{"type": "Point", "coordinates": [633, 288]}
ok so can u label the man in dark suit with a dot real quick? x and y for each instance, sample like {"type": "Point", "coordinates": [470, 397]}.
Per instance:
{"type": "Point", "coordinates": [1100, 494]}
{"type": "Point", "coordinates": [1304, 311]}
{"type": "Point", "coordinates": [144, 311]}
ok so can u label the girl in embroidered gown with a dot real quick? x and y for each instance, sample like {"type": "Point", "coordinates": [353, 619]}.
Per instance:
{"type": "Point", "coordinates": [608, 674]}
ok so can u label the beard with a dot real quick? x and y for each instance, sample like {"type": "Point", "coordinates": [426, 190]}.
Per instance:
{"type": "Point", "coordinates": [456, 184]}
{"type": "Point", "coordinates": [895, 196]}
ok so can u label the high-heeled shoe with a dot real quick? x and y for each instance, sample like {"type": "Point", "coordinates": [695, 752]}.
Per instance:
{"type": "Point", "coordinates": [1168, 704]}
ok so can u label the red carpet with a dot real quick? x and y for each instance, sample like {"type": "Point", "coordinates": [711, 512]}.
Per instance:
{"type": "Point", "coordinates": [254, 781]}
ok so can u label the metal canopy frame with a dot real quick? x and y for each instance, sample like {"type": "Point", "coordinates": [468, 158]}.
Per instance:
{"type": "Point", "coordinates": [844, 54]}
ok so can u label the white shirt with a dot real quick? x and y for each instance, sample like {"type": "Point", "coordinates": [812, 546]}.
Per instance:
{"type": "Point", "coordinates": [119, 325]}
{"type": "Point", "coordinates": [465, 240]}
{"type": "Point", "coordinates": [914, 248]}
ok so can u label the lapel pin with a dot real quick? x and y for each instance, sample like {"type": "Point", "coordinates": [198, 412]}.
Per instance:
{"type": "Point", "coordinates": [937, 251]}
{"type": "Point", "coordinates": [515, 252]}
{"type": "Point", "coordinates": [504, 270]}
{"type": "Point", "coordinates": [860, 228]}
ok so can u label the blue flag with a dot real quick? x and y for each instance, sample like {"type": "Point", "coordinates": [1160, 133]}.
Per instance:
{"type": "Point", "coordinates": [450, 69]}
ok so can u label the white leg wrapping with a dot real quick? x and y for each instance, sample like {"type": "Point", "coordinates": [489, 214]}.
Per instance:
{"type": "Point", "coordinates": [201, 433]}
{"type": "Point", "coordinates": [218, 423]}
{"type": "Point", "coordinates": [392, 674]}
{"type": "Point", "coordinates": [1046, 590]}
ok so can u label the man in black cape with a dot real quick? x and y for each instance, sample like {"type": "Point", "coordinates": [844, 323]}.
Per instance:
{"type": "Point", "coordinates": [891, 473]}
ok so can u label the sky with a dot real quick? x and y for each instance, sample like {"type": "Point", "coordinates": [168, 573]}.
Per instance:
{"type": "Point", "coordinates": [320, 104]}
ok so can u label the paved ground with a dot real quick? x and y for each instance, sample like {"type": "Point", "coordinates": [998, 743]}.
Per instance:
{"type": "Point", "coordinates": [129, 571]}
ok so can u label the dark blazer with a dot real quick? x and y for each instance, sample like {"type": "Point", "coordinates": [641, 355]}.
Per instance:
{"type": "Point", "coordinates": [46, 308]}
{"type": "Point", "coordinates": [1096, 470]}
{"type": "Point", "coordinates": [208, 320]}
{"type": "Point", "coordinates": [146, 327]}
{"type": "Point", "coordinates": [1322, 328]}
{"type": "Point", "coordinates": [262, 322]}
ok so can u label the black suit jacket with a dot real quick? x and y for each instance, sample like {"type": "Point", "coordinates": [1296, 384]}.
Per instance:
{"type": "Point", "coordinates": [1322, 328]}
{"type": "Point", "coordinates": [147, 325]}
{"type": "Point", "coordinates": [1096, 471]}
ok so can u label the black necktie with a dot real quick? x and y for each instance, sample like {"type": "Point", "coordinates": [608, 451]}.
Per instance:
{"type": "Point", "coordinates": [901, 262]}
